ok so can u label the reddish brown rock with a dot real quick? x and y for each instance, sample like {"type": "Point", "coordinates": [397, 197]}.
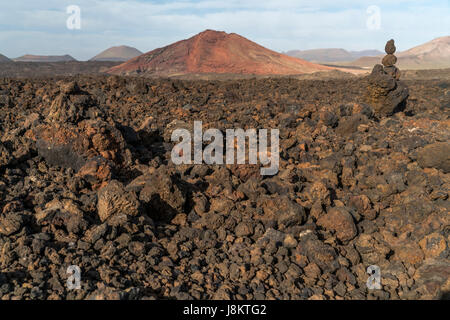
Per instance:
{"type": "Point", "coordinates": [389, 60]}
{"type": "Point", "coordinates": [71, 105]}
{"type": "Point", "coordinates": [318, 252]}
{"type": "Point", "coordinates": [433, 245]}
{"type": "Point", "coordinates": [435, 155]}
{"type": "Point", "coordinates": [408, 251]}
{"type": "Point", "coordinates": [114, 199]}
{"type": "Point", "coordinates": [433, 278]}
{"type": "Point", "coordinates": [97, 172]}
{"type": "Point", "coordinates": [371, 249]}
{"type": "Point", "coordinates": [364, 206]}
{"type": "Point", "coordinates": [94, 146]}
{"type": "Point", "coordinates": [393, 71]}
{"type": "Point", "coordinates": [340, 221]}
{"type": "Point", "coordinates": [222, 224]}
{"type": "Point", "coordinates": [5, 155]}
{"type": "Point", "coordinates": [390, 47]}
{"type": "Point", "coordinates": [384, 94]}
{"type": "Point", "coordinates": [283, 211]}
{"type": "Point", "coordinates": [10, 223]}
{"type": "Point", "coordinates": [163, 194]}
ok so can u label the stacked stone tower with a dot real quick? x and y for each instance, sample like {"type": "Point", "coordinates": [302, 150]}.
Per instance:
{"type": "Point", "coordinates": [384, 92]}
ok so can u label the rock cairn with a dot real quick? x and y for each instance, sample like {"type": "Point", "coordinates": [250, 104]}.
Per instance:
{"type": "Point", "coordinates": [384, 92]}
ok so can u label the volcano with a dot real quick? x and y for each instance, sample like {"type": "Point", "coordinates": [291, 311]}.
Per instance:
{"type": "Point", "coordinates": [215, 52]}
{"type": "Point", "coordinates": [119, 53]}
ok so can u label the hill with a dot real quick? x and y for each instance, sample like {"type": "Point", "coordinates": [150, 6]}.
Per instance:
{"type": "Point", "coordinates": [217, 53]}
{"type": "Point", "coordinates": [119, 53]}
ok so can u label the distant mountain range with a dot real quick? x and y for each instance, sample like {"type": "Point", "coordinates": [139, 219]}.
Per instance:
{"type": "Point", "coordinates": [215, 52]}
{"type": "Point", "coordinates": [36, 58]}
{"type": "Point", "coordinates": [4, 59]}
{"type": "Point", "coordinates": [434, 54]}
{"type": "Point", "coordinates": [119, 53]}
{"type": "Point", "coordinates": [331, 54]}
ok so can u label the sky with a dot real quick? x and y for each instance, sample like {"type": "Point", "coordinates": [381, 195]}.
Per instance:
{"type": "Point", "coordinates": [45, 27]}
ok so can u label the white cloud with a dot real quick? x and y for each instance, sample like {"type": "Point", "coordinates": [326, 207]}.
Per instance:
{"type": "Point", "coordinates": [40, 26]}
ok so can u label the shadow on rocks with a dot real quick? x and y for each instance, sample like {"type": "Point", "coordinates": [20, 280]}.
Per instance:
{"type": "Point", "coordinates": [445, 295]}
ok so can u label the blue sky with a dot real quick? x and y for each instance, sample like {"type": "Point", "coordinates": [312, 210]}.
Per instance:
{"type": "Point", "coordinates": [39, 26]}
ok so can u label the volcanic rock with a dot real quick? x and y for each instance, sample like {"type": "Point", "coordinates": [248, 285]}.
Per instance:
{"type": "Point", "coordinates": [70, 105]}
{"type": "Point", "coordinates": [390, 47]}
{"type": "Point", "coordinates": [65, 213]}
{"type": "Point", "coordinates": [434, 246]}
{"type": "Point", "coordinates": [349, 125]}
{"type": "Point", "coordinates": [10, 223]}
{"type": "Point", "coordinates": [282, 211]}
{"type": "Point", "coordinates": [384, 93]}
{"type": "Point", "coordinates": [163, 192]}
{"type": "Point", "coordinates": [320, 253]}
{"type": "Point", "coordinates": [5, 156]}
{"type": "Point", "coordinates": [371, 249]}
{"type": "Point", "coordinates": [74, 146]}
{"type": "Point", "coordinates": [69, 139]}
{"type": "Point", "coordinates": [393, 71]}
{"type": "Point", "coordinates": [340, 221]}
{"type": "Point", "coordinates": [435, 155]}
{"type": "Point", "coordinates": [352, 191]}
{"type": "Point", "coordinates": [433, 278]}
{"type": "Point", "coordinates": [389, 60]}
{"type": "Point", "coordinates": [114, 199]}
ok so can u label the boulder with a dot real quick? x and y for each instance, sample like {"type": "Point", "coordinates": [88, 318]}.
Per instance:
{"type": "Point", "coordinates": [282, 211]}
{"type": "Point", "coordinates": [114, 199]}
{"type": "Point", "coordinates": [390, 47]}
{"type": "Point", "coordinates": [389, 60]}
{"type": "Point", "coordinates": [163, 194]}
{"type": "Point", "coordinates": [435, 155]}
{"type": "Point", "coordinates": [340, 221]}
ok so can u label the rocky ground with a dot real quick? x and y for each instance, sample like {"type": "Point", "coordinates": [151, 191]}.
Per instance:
{"type": "Point", "coordinates": [87, 180]}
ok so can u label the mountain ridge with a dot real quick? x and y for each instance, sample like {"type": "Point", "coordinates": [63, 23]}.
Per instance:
{"type": "Point", "coordinates": [434, 54]}
{"type": "Point", "coordinates": [4, 58]}
{"type": "Point", "coordinates": [43, 58]}
{"type": "Point", "coordinates": [327, 55]}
